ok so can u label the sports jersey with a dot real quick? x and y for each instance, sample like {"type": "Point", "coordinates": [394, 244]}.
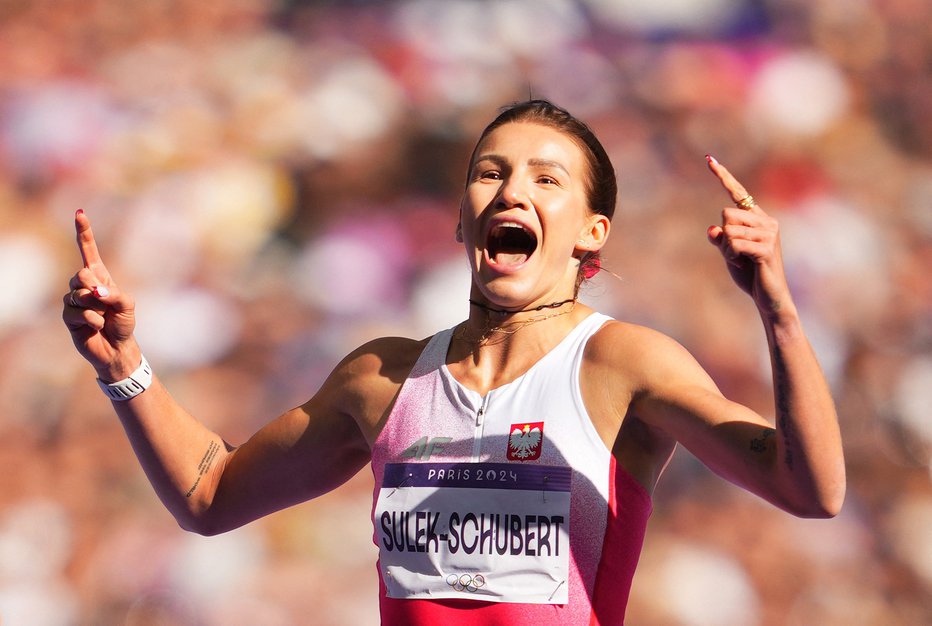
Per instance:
{"type": "Point", "coordinates": [504, 508]}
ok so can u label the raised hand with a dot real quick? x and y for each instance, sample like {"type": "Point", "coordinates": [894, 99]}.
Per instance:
{"type": "Point", "coordinates": [749, 239]}
{"type": "Point", "coordinates": [98, 314]}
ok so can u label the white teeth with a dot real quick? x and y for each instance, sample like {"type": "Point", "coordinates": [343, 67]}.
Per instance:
{"type": "Point", "coordinates": [511, 225]}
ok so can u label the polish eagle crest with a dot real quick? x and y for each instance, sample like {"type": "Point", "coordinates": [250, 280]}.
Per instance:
{"type": "Point", "coordinates": [525, 441]}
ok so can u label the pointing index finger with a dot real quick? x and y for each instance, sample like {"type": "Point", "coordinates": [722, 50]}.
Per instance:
{"type": "Point", "coordinates": [735, 189]}
{"type": "Point", "coordinates": [86, 243]}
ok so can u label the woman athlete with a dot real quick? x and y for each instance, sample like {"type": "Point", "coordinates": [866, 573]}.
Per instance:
{"type": "Point", "coordinates": [515, 454]}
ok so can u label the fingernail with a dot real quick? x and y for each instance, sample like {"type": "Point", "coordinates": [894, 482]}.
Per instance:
{"type": "Point", "coordinates": [79, 212]}
{"type": "Point", "coordinates": [100, 291]}
{"type": "Point", "coordinates": [711, 159]}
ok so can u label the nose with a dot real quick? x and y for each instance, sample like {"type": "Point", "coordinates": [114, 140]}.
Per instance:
{"type": "Point", "coordinates": [514, 194]}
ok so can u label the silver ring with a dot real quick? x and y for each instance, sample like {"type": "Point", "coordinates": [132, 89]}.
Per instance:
{"type": "Point", "coordinates": [71, 300]}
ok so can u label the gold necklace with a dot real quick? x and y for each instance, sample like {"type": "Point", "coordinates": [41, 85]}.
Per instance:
{"type": "Point", "coordinates": [510, 328]}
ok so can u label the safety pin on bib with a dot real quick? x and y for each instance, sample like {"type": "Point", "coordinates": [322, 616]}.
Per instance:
{"type": "Point", "coordinates": [400, 485]}
{"type": "Point", "coordinates": [555, 590]}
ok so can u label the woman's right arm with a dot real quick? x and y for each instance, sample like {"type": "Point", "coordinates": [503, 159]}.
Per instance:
{"type": "Point", "coordinates": [209, 486]}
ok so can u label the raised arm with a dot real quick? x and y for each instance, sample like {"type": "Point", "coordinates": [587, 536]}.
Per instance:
{"type": "Point", "coordinates": [797, 464]}
{"type": "Point", "coordinates": [208, 485]}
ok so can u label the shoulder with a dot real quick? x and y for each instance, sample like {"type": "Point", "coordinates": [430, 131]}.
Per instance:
{"type": "Point", "coordinates": [622, 341]}
{"type": "Point", "coordinates": [384, 356]}
{"type": "Point", "coordinates": [365, 383]}
{"type": "Point", "coordinates": [386, 361]}
{"type": "Point", "coordinates": [643, 356]}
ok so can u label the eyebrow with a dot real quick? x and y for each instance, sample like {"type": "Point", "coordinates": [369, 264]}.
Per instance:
{"type": "Point", "coordinates": [501, 161]}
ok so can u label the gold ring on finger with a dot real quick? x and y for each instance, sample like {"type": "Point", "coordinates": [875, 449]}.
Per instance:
{"type": "Point", "coordinates": [746, 202]}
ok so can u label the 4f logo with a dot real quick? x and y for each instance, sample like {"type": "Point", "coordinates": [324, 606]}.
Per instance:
{"type": "Point", "coordinates": [525, 441]}
{"type": "Point", "coordinates": [424, 447]}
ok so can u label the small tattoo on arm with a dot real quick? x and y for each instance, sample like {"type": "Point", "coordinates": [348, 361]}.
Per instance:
{"type": "Point", "coordinates": [788, 439]}
{"type": "Point", "coordinates": [783, 407]}
{"type": "Point", "coordinates": [204, 465]}
{"type": "Point", "coordinates": [759, 444]}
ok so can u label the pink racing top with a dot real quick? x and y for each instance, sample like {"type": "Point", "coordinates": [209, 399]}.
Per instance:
{"type": "Point", "coordinates": [505, 508]}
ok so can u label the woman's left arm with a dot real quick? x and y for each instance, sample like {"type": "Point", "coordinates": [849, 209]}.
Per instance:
{"type": "Point", "coordinates": [807, 436]}
{"type": "Point", "coordinates": [797, 463]}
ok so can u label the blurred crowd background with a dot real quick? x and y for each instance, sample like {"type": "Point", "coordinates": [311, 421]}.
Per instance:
{"type": "Point", "coordinates": [278, 182]}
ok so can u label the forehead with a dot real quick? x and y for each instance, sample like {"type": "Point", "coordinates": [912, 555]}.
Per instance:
{"type": "Point", "coordinates": [520, 141]}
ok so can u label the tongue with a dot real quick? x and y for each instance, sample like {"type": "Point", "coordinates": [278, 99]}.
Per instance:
{"type": "Point", "coordinates": [510, 258]}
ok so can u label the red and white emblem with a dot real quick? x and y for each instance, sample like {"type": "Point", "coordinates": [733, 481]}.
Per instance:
{"type": "Point", "coordinates": [525, 441]}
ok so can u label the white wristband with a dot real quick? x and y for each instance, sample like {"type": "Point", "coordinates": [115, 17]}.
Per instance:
{"type": "Point", "coordinates": [131, 386]}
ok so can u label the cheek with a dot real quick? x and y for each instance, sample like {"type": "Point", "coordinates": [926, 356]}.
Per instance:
{"type": "Point", "coordinates": [467, 234]}
{"type": "Point", "coordinates": [472, 203]}
{"type": "Point", "coordinates": [565, 223]}
{"type": "Point", "coordinates": [470, 215]}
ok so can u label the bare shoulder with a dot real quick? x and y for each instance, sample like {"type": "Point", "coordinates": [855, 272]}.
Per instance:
{"type": "Point", "coordinates": [623, 344]}
{"type": "Point", "coordinates": [364, 384]}
{"type": "Point", "coordinates": [644, 359]}
{"type": "Point", "coordinates": [620, 363]}
{"type": "Point", "coordinates": [617, 335]}
{"type": "Point", "coordinates": [385, 357]}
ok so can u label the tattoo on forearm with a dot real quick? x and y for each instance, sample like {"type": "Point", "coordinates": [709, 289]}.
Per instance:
{"type": "Point", "coordinates": [204, 465]}
{"type": "Point", "coordinates": [787, 443]}
{"type": "Point", "coordinates": [783, 407]}
{"type": "Point", "coordinates": [759, 444]}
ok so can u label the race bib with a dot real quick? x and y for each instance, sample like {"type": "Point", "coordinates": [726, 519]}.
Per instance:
{"type": "Point", "coordinates": [486, 531]}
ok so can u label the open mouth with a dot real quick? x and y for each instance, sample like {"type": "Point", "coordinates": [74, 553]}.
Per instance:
{"type": "Point", "coordinates": [510, 243]}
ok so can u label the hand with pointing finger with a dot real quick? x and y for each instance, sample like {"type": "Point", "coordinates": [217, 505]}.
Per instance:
{"type": "Point", "coordinates": [98, 314]}
{"type": "Point", "coordinates": [749, 240]}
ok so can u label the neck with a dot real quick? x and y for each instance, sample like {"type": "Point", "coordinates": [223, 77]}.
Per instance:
{"type": "Point", "coordinates": [490, 349]}
{"type": "Point", "coordinates": [499, 325]}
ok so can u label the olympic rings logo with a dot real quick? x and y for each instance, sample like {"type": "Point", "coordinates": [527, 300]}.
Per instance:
{"type": "Point", "coordinates": [466, 582]}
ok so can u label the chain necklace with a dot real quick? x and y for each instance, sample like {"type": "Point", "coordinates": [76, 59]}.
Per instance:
{"type": "Point", "coordinates": [510, 328]}
{"type": "Point", "coordinates": [552, 305]}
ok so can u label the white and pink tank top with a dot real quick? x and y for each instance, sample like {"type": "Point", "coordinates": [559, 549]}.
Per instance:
{"type": "Point", "coordinates": [505, 508]}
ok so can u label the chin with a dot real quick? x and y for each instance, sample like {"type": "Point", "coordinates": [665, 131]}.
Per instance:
{"type": "Point", "coordinates": [510, 292]}
{"type": "Point", "coordinates": [503, 291]}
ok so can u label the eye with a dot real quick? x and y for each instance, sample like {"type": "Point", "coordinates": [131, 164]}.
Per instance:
{"type": "Point", "coordinates": [548, 180]}
{"type": "Point", "coordinates": [490, 175]}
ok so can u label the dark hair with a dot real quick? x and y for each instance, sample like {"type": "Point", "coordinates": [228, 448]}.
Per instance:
{"type": "Point", "coordinates": [601, 185]}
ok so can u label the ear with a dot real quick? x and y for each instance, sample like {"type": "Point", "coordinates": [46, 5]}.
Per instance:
{"type": "Point", "coordinates": [593, 235]}
{"type": "Point", "coordinates": [459, 232]}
